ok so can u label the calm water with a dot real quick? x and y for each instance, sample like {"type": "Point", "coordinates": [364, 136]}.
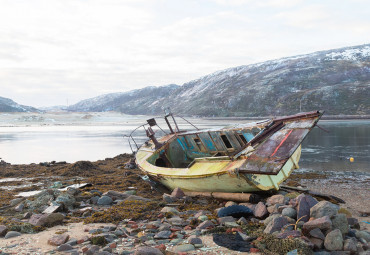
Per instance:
{"type": "Point", "coordinates": [27, 138]}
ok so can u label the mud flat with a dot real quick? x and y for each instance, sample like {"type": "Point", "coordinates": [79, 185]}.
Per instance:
{"type": "Point", "coordinates": [120, 213]}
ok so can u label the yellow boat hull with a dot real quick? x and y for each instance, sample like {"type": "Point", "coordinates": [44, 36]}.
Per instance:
{"type": "Point", "coordinates": [217, 175]}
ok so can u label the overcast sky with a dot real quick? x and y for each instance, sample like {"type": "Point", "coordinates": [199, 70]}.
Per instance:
{"type": "Point", "coordinates": [58, 51]}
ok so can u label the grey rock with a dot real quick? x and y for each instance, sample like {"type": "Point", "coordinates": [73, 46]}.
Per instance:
{"type": "Point", "coordinates": [242, 221]}
{"type": "Point", "coordinates": [136, 198]}
{"type": "Point", "coordinates": [260, 211]}
{"type": "Point", "coordinates": [276, 199]}
{"type": "Point", "coordinates": [193, 239]}
{"type": "Point", "coordinates": [116, 195]}
{"type": "Point", "coordinates": [340, 222]}
{"type": "Point", "coordinates": [205, 224]}
{"type": "Point", "coordinates": [230, 203]}
{"type": "Point", "coordinates": [27, 215]}
{"type": "Point", "coordinates": [323, 208]}
{"type": "Point", "coordinates": [317, 233]}
{"type": "Point", "coordinates": [270, 218]}
{"type": "Point", "coordinates": [3, 230]}
{"type": "Point", "coordinates": [72, 242]}
{"type": "Point", "coordinates": [168, 198]}
{"type": "Point", "coordinates": [168, 209]}
{"type": "Point", "coordinates": [52, 208]}
{"type": "Point", "coordinates": [334, 241]}
{"type": "Point", "coordinates": [65, 247]}
{"type": "Point", "coordinates": [93, 249]}
{"type": "Point", "coordinates": [232, 224]}
{"type": "Point", "coordinates": [304, 205]}
{"type": "Point", "coordinates": [163, 234]}
{"type": "Point", "coordinates": [46, 220]}
{"type": "Point", "coordinates": [350, 245]}
{"type": "Point", "coordinates": [19, 207]}
{"type": "Point", "coordinates": [323, 223]}
{"type": "Point", "coordinates": [318, 243]}
{"type": "Point", "coordinates": [177, 193]}
{"type": "Point", "coordinates": [276, 225]}
{"type": "Point", "coordinates": [289, 212]}
{"type": "Point", "coordinates": [105, 200]}
{"type": "Point", "coordinates": [66, 199]}
{"type": "Point", "coordinates": [291, 233]}
{"type": "Point", "coordinates": [243, 237]}
{"type": "Point", "coordinates": [12, 234]}
{"type": "Point", "coordinates": [203, 218]}
{"type": "Point", "coordinates": [58, 240]}
{"type": "Point", "coordinates": [94, 200]}
{"type": "Point", "coordinates": [16, 201]}
{"type": "Point", "coordinates": [184, 248]}
{"type": "Point", "coordinates": [177, 221]}
{"type": "Point", "coordinates": [147, 250]}
{"type": "Point", "coordinates": [363, 234]}
{"type": "Point", "coordinates": [223, 220]}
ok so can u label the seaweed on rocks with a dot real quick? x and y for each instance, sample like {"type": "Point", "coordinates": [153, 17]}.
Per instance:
{"type": "Point", "coordinates": [134, 209]}
{"type": "Point", "coordinates": [270, 245]}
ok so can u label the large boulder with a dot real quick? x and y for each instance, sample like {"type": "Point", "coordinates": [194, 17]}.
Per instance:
{"type": "Point", "coordinates": [323, 208]}
{"type": "Point", "coordinates": [305, 203]}
{"type": "Point", "coordinates": [334, 241]}
{"type": "Point", "coordinates": [46, 220]}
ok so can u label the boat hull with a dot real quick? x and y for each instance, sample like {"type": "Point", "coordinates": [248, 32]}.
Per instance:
{"type": "Point", "coordinates": [228, 181]}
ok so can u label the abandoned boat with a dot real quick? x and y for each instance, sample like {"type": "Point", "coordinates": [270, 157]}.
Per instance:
{"type": "Point", "coordinates": [242, 158]}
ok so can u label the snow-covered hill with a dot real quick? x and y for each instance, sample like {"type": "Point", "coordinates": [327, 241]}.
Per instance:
{"type": "Point", "coordinates": [337, 81]}
{"type": "Point", "coordinates": [8, 105]}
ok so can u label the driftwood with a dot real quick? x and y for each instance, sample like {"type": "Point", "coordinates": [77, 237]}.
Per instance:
{"type": "Point", "coordinates": [313, 193]}
{"type": "Point", "coordinates": [237, 197]}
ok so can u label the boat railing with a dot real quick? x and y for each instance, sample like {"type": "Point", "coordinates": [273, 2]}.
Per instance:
{"type": "Point", "coordinates": [150, 133]}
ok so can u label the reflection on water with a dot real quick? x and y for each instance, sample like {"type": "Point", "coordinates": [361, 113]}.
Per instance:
{"type": "Point", "coordinates": [76, 137]}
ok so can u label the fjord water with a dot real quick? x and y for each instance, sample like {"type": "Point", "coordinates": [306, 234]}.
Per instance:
{"type": "Point", "coordinates": [33, 138]}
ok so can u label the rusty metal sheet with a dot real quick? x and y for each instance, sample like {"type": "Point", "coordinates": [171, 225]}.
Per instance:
{"type": "Point", "coordinates": [273, 153]}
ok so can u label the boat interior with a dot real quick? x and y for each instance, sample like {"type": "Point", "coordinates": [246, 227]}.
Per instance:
{"type": "Point", "coordinates": [185, 148]}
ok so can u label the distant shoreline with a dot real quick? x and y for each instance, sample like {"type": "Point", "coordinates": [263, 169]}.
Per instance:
{"type": "Point", "coordinates": [325, 117]}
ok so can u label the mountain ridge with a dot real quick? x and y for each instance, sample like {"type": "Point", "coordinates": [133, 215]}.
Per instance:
{"type": "Point", "coordinates": [336, 80]}
{"type": "Point", "coordinates": [8, 105]}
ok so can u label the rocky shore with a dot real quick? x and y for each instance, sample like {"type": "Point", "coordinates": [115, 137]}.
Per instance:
{"type": "Point", "coordinates": [106, 207]}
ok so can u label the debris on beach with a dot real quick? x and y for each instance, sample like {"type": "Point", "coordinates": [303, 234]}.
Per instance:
{"type": "Point", "coordinates": [126, 216]}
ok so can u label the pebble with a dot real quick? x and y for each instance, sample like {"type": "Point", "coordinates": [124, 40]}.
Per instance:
{"type": "Point", "coordinates": [163, 234]}
{"type": "Point", "coordinates": [184, 248]}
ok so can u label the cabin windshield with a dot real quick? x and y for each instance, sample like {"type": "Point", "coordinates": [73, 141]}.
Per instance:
{"type": "Point", "coordinates": [182, 151]}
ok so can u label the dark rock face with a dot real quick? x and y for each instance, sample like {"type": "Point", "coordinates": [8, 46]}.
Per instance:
{"type": "Point", "coordinates": [335, 80]}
